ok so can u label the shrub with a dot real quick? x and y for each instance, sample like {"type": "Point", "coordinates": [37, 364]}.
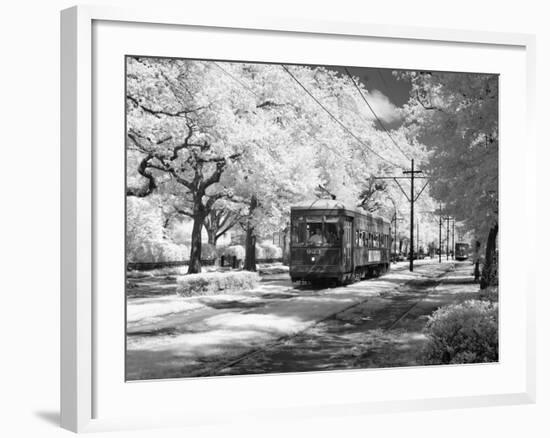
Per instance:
{"type": "Point", "coordinates": [157, 251]}
{"type": "Point", "coordinates": [234, 251]}
{"type": "Point", "coordinates": [489, 294]}
{"type": "Point", "coordinates": [216, 282]}
{"type": "Point", "coordinates": [271, 251]}
{"type": "Point", "coordinates": [463, 333]}
{"type": "Point", "coordinates": [208, 252]}
{"type": "Point", "coordinates": [259, 252]}
{"type": "Point", "coordinates": [180, 232]}
{"type": "Point", "coordinates": [171, 252]}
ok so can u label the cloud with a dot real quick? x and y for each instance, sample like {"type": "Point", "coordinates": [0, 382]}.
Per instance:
{"type": "Point", "coordinates": [382, 106]}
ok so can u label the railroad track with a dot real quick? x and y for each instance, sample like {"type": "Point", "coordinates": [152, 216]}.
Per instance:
{"type": "Point", "coordinates": [432, 282]}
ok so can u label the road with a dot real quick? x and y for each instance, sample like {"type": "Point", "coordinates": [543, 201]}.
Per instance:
{"type": "Point", "coordinates": [279, 327]}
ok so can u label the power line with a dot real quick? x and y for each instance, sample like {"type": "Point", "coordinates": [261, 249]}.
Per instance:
{"type": "Point", "coordinates": [236, 80]}
{"type": "Point", "coordinates": [319, 103]}
{"type": "Point", "coordinates": [344, 127]}
{"type": "Point", "coordinates": [412, 198]}
{"type": "Point", "coordinates": [247, 88]}
{"type": "Point", "coordinates": [375, 115]}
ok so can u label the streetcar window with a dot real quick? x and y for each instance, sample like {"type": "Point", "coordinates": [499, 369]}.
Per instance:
{"type": "Point", "coordinates": [332, 237]}
{"type": "Point", "coordinates": [314, 231]}
{"type": "Point", "coordinates": [297, 234]}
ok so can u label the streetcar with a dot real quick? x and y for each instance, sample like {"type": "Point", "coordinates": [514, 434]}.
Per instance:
{"type": "Point", "coordinates": [333, 242]}
{"type": "Point", "coordinates": [461, 251]}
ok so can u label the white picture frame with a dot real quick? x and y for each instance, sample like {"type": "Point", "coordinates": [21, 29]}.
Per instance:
{"type": "Point", "coordinates": [80, 369]}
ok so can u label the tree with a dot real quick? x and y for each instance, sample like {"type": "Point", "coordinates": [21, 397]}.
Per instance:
{"type": "Point", "coordinates": [456, 116]}
{"type": "Point", "coordinates": [239, 142]}
{"type": "Point", "coordinates": [219, 221]}
{"type": "Point", "coordinates": [146, 236]}
{"type": "Point", "coordinates": [188, 126]}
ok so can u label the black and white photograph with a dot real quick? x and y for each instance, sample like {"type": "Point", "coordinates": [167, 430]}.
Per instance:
{"type": "Point", "coordinates": [275, 219]}
{"type": "Point", "coordinates": [285, 218]}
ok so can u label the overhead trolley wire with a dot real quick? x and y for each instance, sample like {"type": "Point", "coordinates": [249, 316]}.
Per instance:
{"type": "Point", "coordinates": [250, 90]}
{"type": "Point", "coordinates": [319, 103]}
{"type": "Point", "coordinates": [344, 127]}
{"type": "Point", "coordinates": [375, 115]}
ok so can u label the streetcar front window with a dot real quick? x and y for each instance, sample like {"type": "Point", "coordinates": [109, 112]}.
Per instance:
{"type": "Point", "coordinates": [314, 231]}
{"type": "Point", "coordinates": [298, 231]}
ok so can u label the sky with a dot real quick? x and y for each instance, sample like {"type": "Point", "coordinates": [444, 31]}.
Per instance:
{"type": "Point", "coordinates": [386, 93]}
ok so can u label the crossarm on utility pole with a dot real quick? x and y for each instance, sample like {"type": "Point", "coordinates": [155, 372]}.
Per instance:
{"type": "Point", "coordinates": [419, 193]}
{"type": "Point", "coordinates": [402, 190]}
{"type": "Point", "coordinates": [412, 198]}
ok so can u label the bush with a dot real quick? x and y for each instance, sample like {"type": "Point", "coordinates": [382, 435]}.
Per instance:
{"type": "Point", "coordinates": [463, 333]}
{"type": "Point", "coordinates": [157, 251]}
{"type": "Point", "coordinates": [271, 251]}
{"type": "Point", "coordinates": [171, 252]}
{"type": "Point", "coordinates": [180, 232]}
{"type": "Point", "coordinates": [216, 282]}
{"type": "Point", "coordinates": [489, 294]}
{"type": "Point", "coordinates": [259, 252]}
{"type": "Point", "coordinates": [208, 252]}
{"type": "Point", "coordinates": [234, 251]}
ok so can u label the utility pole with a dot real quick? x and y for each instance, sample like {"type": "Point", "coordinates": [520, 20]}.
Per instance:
{"type": "Point", "coordinates": [447, 251]}
{"type": "Point", "coordinates": [412, 199]}
{"type": "Point", "coordinates": [417, 238]}
{"type": "Point", "coordinates": [453, 247]}
{"type": "Point", "coordinates": [395, 234]}
{"type": "Point", "coordinates": [412, 172]}
{"type": "Point", "coordinates": [440, 220]}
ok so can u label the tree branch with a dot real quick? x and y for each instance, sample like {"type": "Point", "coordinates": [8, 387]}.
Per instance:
{"type": "Point", "coordinates": [159, 113]}
{"type": "Point", "coordinates": [151, 185]}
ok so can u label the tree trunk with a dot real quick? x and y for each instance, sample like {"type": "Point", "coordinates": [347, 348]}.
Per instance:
{"type": "Point", "coordinates": [476, 261]}
{"type": "Point", "coordinates": [196, 242]}
{"type": "Point", "coordinates": [489, 276]}
{"type": "Point", "coordinates": [211, 236]}
{"type": "Point", "coordinates": [250, 243]}
{"type": "Point", "coordinates": [286, 246]}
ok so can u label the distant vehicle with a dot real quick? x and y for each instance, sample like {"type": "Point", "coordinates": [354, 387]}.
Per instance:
{"type": "Point", "coordinates": [330, 241]}
{"type": "Point", "coordinates": [461, 251]}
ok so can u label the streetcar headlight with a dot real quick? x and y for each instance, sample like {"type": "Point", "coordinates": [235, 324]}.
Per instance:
{"type": "Point", "coordinates": [313, 259]}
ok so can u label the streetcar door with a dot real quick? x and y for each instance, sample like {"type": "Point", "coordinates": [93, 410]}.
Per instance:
{"type": "Point", "coordinates": [348, 244]}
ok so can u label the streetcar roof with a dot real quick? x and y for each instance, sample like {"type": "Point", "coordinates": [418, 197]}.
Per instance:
{"type": "Point", "coordinates": [330, 204]}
